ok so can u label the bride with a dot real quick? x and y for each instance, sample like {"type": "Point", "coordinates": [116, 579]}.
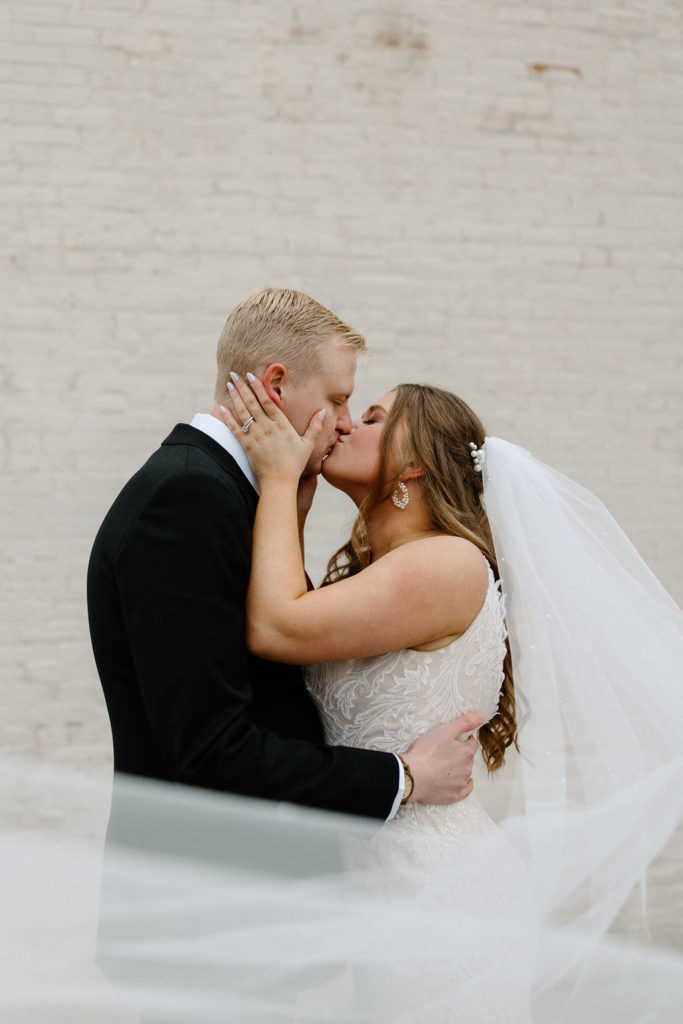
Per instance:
{"type": "Point", "coordinates": [411, 634]}
{"type": "Point", "coordinates": [410, 630]}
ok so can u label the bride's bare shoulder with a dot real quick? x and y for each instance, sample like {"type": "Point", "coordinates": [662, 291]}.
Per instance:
{"type": "Point", "coordinates": [455, 554]}
{"type": "Point", "coordinates": [455, 575]}
{"type": "Point", "coordinates": [450, 566]}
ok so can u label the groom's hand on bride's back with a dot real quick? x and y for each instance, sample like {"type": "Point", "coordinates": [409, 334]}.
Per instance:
{"type": "Point", "coordinates": [441, 761]}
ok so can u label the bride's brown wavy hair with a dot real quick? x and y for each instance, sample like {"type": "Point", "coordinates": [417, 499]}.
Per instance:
{"type": "Point", "coordinates": [433, 429]}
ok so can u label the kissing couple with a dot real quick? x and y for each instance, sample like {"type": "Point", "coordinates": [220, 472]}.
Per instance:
{"type": "Point", "coordinates": [479, 590]}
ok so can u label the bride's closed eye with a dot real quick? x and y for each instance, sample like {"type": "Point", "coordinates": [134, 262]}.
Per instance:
{"type": "Point", "coordinates": [370, 417]}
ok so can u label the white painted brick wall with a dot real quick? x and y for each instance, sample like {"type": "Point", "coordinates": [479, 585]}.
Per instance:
{"type": "Point", "coordinates": [492, 192]}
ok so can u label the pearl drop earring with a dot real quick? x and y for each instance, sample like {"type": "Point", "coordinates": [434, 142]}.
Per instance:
{"type": "Point", "coordinates": [402, 500]}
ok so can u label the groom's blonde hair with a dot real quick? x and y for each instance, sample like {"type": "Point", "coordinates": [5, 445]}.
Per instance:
{"type": "Point", "coordinates": [278, 325]}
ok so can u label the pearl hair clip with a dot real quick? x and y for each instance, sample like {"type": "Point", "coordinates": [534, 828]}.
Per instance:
{"type": "Point", "coordinates": [478, 456]}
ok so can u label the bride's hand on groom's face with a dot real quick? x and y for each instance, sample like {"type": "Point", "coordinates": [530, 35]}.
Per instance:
{"type": "Point", "coordinates": [272, 444]}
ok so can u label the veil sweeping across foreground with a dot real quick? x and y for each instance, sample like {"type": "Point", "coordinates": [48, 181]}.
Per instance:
{"type": "Point", "coordinates": [216, 908]}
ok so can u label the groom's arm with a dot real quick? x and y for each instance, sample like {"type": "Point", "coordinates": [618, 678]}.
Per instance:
{"type": "Point", "coordinates": [182, 574]}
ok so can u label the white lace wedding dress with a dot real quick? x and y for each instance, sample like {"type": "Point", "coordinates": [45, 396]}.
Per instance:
{"type": "Point", "coordinates": [454, 854]}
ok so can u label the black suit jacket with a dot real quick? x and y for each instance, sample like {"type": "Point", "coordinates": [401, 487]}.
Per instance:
{"type": "Point", "coordinates": [187, 702]}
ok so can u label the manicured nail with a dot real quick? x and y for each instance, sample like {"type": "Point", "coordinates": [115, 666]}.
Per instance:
{"type": "Point", "coordinates": [231, 386]}
{"type": "Point", "coordinates": [251, 378]}
{"type": "Point", "coordinates": [234, 376]}
{"type": "Point", "coordinates": [322, 414]}
{"type": "Point", "coordinates": [222, 409]}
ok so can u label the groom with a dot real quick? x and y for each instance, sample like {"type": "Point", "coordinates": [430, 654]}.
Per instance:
{"type": "Point", "coordinates": [167, 581]}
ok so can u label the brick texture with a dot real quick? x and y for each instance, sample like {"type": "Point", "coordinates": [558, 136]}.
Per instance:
{"type": "Point", "coordinates": [491, 192]}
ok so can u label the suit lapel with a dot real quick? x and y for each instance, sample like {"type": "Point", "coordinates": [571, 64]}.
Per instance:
{"type": "Point", "coordinates": [184, 434]}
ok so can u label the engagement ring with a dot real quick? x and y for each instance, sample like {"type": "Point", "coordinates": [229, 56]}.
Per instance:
{"type": "Point", "coordinates": [245, 426]}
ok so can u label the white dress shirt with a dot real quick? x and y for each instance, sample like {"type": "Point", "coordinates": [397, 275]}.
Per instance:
{"type": "Point", "coordinates": [223, 436]}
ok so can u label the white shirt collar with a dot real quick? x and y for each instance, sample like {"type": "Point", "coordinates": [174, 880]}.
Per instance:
{"type": "Point", "coordinates": [216, 429]}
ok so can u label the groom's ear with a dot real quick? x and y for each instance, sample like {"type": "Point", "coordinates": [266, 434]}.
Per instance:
{"type": "Point", "coordinates": [273, 378]}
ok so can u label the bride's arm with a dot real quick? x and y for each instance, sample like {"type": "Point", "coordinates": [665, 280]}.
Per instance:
{"type": "Point", "coordinates": [425, 590]}
{"type": "Point", "coordinates": [304, 499]}
{"type": "Point", "coordinates": [420, 592]}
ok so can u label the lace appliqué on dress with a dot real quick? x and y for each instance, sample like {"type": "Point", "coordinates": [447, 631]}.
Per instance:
{"type": "Point", "coordinates": [384, 703]}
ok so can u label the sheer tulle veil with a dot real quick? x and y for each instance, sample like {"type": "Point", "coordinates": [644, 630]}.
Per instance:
{"type": "Point", "coordinates": [212, 908]}
{"type": "Point", "coordinates": [597, 649]}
